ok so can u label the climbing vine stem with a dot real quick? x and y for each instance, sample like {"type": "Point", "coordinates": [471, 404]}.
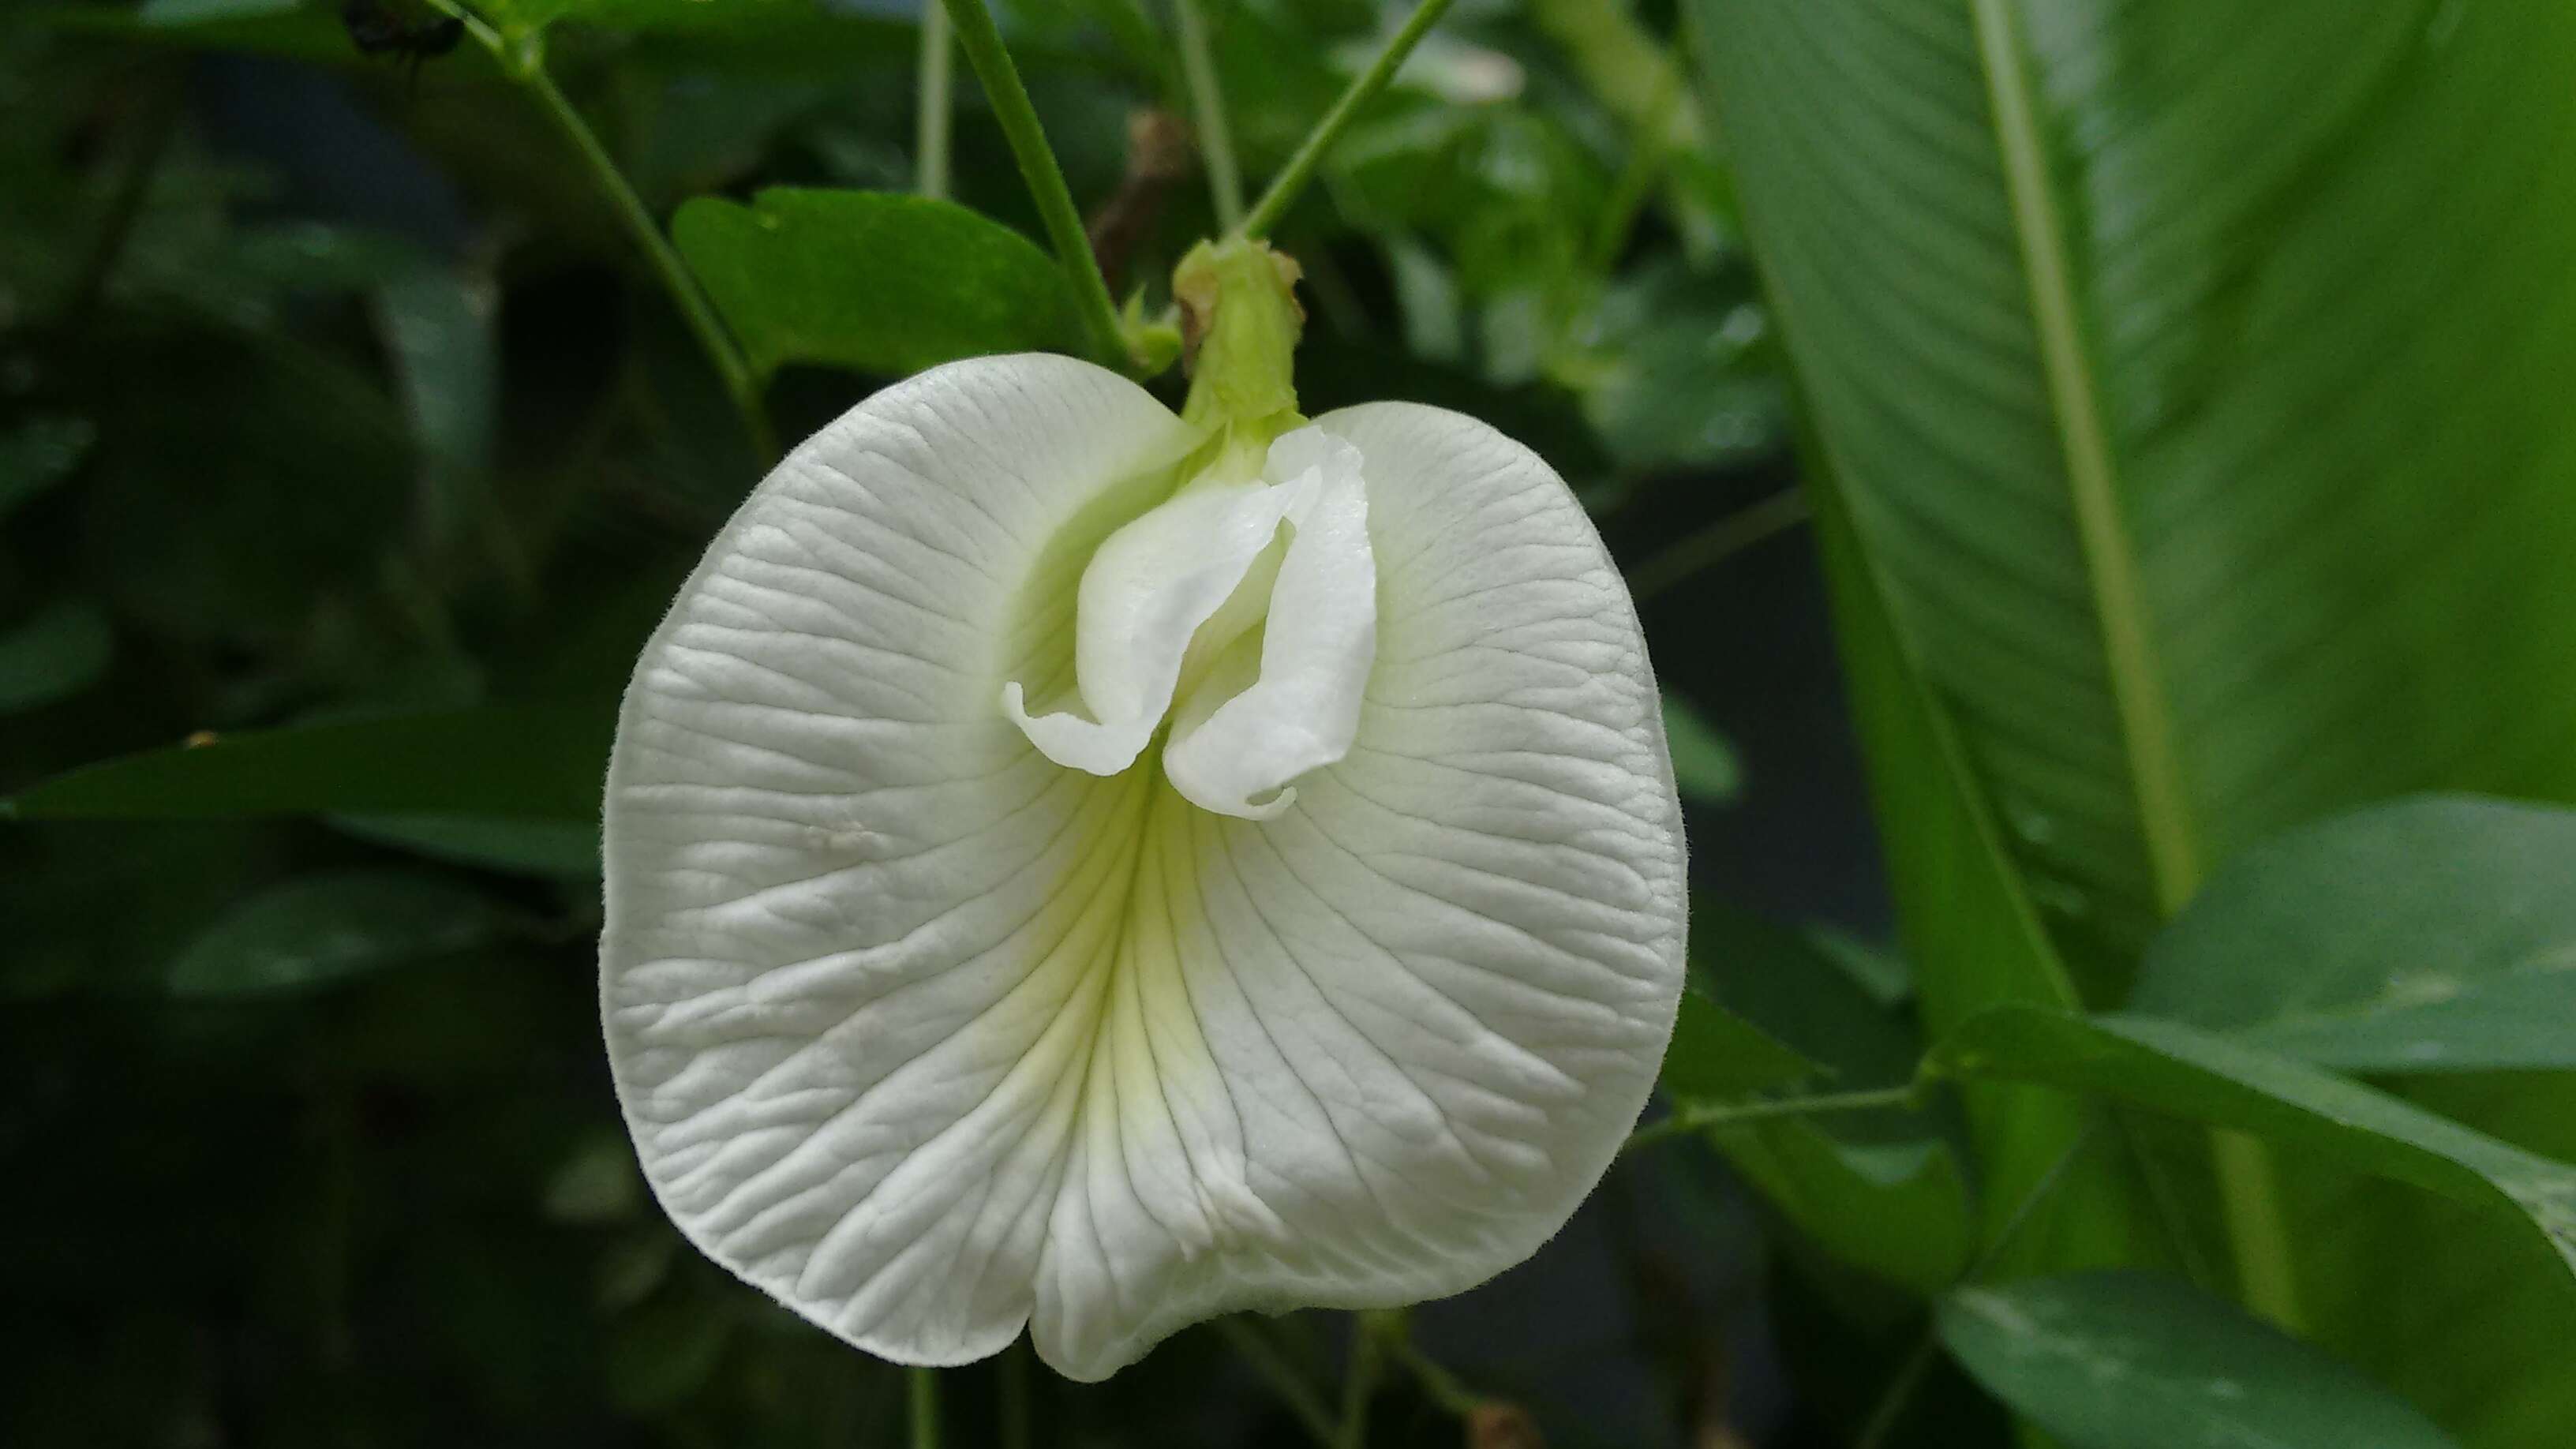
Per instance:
{"type": "Point", "coordinates": [1207, 115]}
{"type": "Point", "coordinates": [522, 57]}
{"type": "Point", "coordinates": [1292, 178]}
{"type": "Point", "coordinates": [982, 42]}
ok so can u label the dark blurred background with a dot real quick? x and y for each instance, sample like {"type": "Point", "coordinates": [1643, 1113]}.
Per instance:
{"type": "Point", "coordinates": [331, 389]}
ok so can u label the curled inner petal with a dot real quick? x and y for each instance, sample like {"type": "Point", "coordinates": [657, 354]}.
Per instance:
{"type": "Point", "coordinates": [1304, 710]}
{"type": "Point", "coordinates": [1190, 590]}
{"type": "Point", "coordinates": [1147, 591]}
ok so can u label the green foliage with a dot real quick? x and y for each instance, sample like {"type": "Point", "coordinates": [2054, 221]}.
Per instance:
{"type": "Point", "coordinates": [2170, 1068]}
{"type": "Point", "coordinates": [1968, 924]}
{"type": "Point", "coordinates": [2429, 935]}
{"type": "Point", "coordinates": [1717, 1056]}
{"type": "Point", "coordinates": [880, 284]}
{"type": "Point", "coordinates": [1883, 1190]}
{"type": "Point", "coordinates": [1704, 764]}
{"type": "Point", "coordinates": [323, 929]}
{"type": "Point", "coordinates": [511, 761]}
{"type": "Point", "coordinates": [2148, 437]}
{"type": "Point", "coordinates": [2151, 402]}
{"type": "Point", "coordinates": [2130, 1361]}
{"type": "Point", "coordinates": [61, 650]}
{"type": "Point", "coordinates": [39, 453]}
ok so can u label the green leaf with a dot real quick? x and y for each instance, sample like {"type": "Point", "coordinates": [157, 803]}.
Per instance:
{"type": "Point", "coordinates": [2434, 934]}
{"type": "Point", "coordinates": [2180, 1071]}
{"type": "Point", "coordinates": [510, 761]}
{"type": "Point", "coordinates": [58, 653]}
{"type": "Point", "coordinates": [1704, 761]}
{"type": "Point", "coordinates": [2214, 490]}
{"type": "Point", "coordinates": [1882, 1191]}
{"type": "Point", "coordinates": [267, 27]}
{"type": "Point", "coordinates": [441, 336]}
{"type": "Point", "coordinates": [1899, 1209]}
{"type": "Point", "coordinates": [1716, 1055]}
{"type": "Point", "coordinates": [878, 283]}
{"type": "Point", "coordinates": [328, 928]}
{"type": "Point", "coordinates": [1970, 929]}
{"type": "Point", "coordinates": [2135, 1361]}
{"type": "Point", "coordinates": [1671, 377]}
{"type": "Point", "coordinates": [39, 453]}
{"type": "Point", "coordinates": [2154, 397]}
{"type": "Point", "coordinates": [555, 849]}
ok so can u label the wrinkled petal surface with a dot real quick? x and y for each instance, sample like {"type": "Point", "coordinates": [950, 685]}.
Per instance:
{"type": "Point", "coordinates": [933, 1038]}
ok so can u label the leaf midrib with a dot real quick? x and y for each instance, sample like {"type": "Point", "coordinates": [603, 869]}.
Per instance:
{"type": "Point", "coordinates": [2147, 733]}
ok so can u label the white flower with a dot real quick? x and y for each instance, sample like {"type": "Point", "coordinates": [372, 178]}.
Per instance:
{"type": "Point", "coordinates": [1057, 875]}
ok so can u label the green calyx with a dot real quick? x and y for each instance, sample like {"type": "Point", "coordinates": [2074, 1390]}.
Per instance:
{"type": "Point", "coordinates": [1240, 321]}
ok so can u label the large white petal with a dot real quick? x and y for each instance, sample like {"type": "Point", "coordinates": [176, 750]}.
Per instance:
{"type": "Point", "coordinates": [1399, 1031]}
{"type": "Point", "coordinates": [929, 1036]}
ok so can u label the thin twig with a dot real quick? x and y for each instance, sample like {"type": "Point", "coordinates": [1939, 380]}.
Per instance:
{"type": "Point", "coordinates": [931, 106]}
{"type": "Point", "coordinates": [1689, 1120]}
{"type": "Point", "coordinates": [1899, 1392]}
{"type": "Point", "coordinates": [1292, 178]}
{"type": "Point", "coordinates": [1439, 1385]}
{"type": "Point", "coordinates": [982, 43]}
{"type": "Point", "coordinates": [1272, 1367]}
{"type": "Point", "coordinates": [1207, 114]}
{"type": "Point", "coordinates": [1718, 542]}
{"type": "Point", "coordinates": [522, 57]}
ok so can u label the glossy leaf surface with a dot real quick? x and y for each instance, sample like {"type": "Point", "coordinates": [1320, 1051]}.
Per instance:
{"type": "Point", "coordinates": [2133, 1361]}
{"type": "Point", "coordinates": [877, 283]}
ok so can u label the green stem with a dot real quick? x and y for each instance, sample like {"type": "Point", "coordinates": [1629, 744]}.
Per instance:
{"type": "Point", "coordinates": [922, 1393]}
{"type": "Point", "coordinates": [1359, 1378]}
{"type": "Point", "coordinates": [522, 57]}
{"type": "Point", "coordinates": [1690, 1120]}
{"type": "Point", "coordinates": [1898, 1393]}
{"type": "Point", "coordinates": [2257, 1229]}
{"type": "Point", "coordinates": [1019, 120]}
{"type": "Point", "coordinates": [1718, 542]}
{"type": "Point", "coordinates": [1274, 1370]}
{"type": "Point", "coordinates": [1439, 1385]}
{"type": "Point", "coordinates": [1292, 178]}
{"type": "Point", "coordinates": [930, 120]}
{"type": "Point", "coordinates": [1015, 1397]}
{"type": "Point", "coordinates": [1648, 154]}
{"type": "Point", "coordinates": [1207, 114]}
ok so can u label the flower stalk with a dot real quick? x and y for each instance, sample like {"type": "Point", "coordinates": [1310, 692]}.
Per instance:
{"type": "Point", "coordinates": [982, 42]}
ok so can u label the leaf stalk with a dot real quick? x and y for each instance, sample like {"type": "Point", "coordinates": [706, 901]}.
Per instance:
{"type": "Point", "coordinates": [1690, 1120]}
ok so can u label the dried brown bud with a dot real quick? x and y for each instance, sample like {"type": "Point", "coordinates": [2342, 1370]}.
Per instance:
{"type": "Point", "coordinates": [1494, 1424]}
